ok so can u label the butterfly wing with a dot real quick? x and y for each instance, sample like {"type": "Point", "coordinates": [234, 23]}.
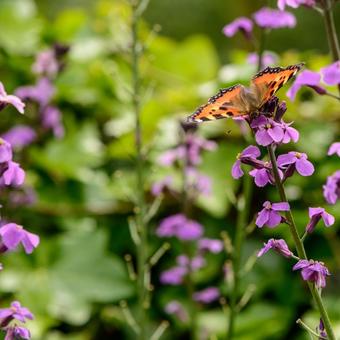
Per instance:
{"type": "Point", "coordinates": [226, 103]}
{"type": "Point", "coordinates": [267, 82]}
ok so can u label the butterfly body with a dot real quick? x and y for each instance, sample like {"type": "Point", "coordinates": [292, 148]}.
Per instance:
{"type": "Point", "coordinates": [239, 100]}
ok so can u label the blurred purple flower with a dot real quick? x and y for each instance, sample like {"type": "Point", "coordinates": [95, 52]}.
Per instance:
{"type": "Point", "coordinates": [331, 190]}
{"type": "Point", "coordinates": [267, 131]}
{"type": "Point", "coordinates": [198, 181]}
{"type": "Point", "coordinates": [331, 73]}
{"type": "Point", "coordinates": [249, 153]}
{"type": "Point", "coordinates": [294, 3]}
{"type": "Point", "coordinates": [279, 246]}
{"type": "Point", "coordinates": [268, 59]}
{"type": "Point", "coordinates": [209, 244]}
{"type": "Point", "coordinates": [193, 264]}
{"type": "Point", "coordinates": [14, 175]}
{"type": "Point", "coordinates": [169, 157]}
{"type": "Point", "coordinates": [175, 308]}
{"type": "Point", "coordinates": [315, 215]}
{"type": "Point", "coordinates": [173, 276]}
{"type": "Point", "coordinates": [5, 151]}
{"type": "Point", "coordinates": [270, 18]}
{"type": "Point", "coordinates": [194, 146]}
{"type": "Point", "coordinates": [269, 214]}
{"type": "Point", "coordinates": [207, 295]}
{"type": "Point", "coordinates": [241, 24]}
{"type": "Point", "coordinates": [190, 230]}
{"type": "Point", "coordinates": [334, 148]}
{"type": "Point", "coordinates": [6, 99]}
{"type": "Point", "coordinates": [313, 271]}
{"type": "Point", "coordinates": [13, 234]}
{"type": "Point", "coordinates": [20, 136]}
{"type": "Point", "coordinates": [160, 186]}
{"type": "Point", "coordinates": [15, 312]}
{"type": "Point", "coordinates": [262, 176]}
{"type": "Point", "coordinates": [46, 64]}
{"type": "Point", "coordinates": [26, 196]}
{"type": "Point", "coordinates": [306, 78]}
{"type": "Point", "coordinates": [297, 161]}
{"type": "Point", "coordinates": [289, 133]}
{"type": "Point", "coordinates": [17, 332]}
{"type": "Point", "coordinates": [41, 92]}
{"type": "Point", "coordinates": [51, 119]}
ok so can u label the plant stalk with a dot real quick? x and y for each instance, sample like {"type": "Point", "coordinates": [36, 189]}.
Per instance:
{"type": "Point", "coordinates": [299, 245]}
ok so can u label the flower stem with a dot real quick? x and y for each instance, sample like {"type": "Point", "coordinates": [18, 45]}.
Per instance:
{"type": "Point", "coordinates": [242, 220]}
{"type": "Point", "coordinates": [299, 245]}
{"type": "Point", "coordinates": [142, 245]}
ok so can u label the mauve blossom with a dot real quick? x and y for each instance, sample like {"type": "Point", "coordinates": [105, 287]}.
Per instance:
{"type": "Point", "coordinates": [313, 271]}
{"type": "Point", "coordinates": [6, 99]}
{"type": "Point", "coordinates": [289, 133]}
{"type": "Point", "coordinates": [271, 18]}
{"type": "Point", "coordinates": [14, 175]}
{"type": "Point", "coordinates": [331, 73]}
{"type": "Point", "coordinates": [190, 230]}
{"type": "Point", "coordinates": [296, 160]}
{"type": "Point", "coordinates": [334, 148]}
{"type": "Point", "coordinates": [251, 152]}
{"type": "Point", "coordinates": [194, 146]}
{"type": "Point", "coordinates": [294, 3]}
{"type": "Point", "coordinates": [268, 59]}
{"type": "Point", "coordinates": [5, 151]}
{"type": "Point", "coordinates": [262, 176]}
{"type": "Point", "coordinates": [176, 308]}
{"type": "Point", "coordinates": [331, 190]}
{"type": "Point", "coordinates": [51, 119]}
{"type": "Point", "coordinates": [209, 244]}
{"type": "Point", "coordinates": [46, 64]}
{"type": "Point", "coordinates": [269, 214]}
{"type": "Point", "coordinates": [279, 246]}
{"type": "Point", "coordinates": [267, 131]}
{"type": "Point", "coordinates": [207, 295]}
{"type": "Point", "coordinates": [241, 24]}
{"type": "Point", "coordinates": [203, 184]}
{"type": "Point", "coordinates": [169, 157]}
{"type": "Point", "coordinates": [160, 186]}
{"type": "Point", "coordinates": [315, 215]}
{"type": "Point", "coordinates": [197, 262]}
{"type": "Point", "coordinates": [20, 136]}
{"type": "Point", "coordinates": [13, 234]}
{"type": "Point", "coordinates": [16, 332]}
{"type": "Point", "coordinates": [306, 78]}
{"type": "Point", "coordinates": [173, 276]}
{"type": "Point", "coordinates": [15, 312]}
{"type": "Point", "coordinates": [41, 92]}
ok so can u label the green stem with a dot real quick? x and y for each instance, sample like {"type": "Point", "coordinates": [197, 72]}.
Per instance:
{"type": "Point", "coordinates": [140, 209]}
{"type": "Point", "coordinates": [299, 245]}
{"type": "Point", "coordinates": [242, 220]}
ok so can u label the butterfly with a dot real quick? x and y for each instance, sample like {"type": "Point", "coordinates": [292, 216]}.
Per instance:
{"type": "Point", "coordinates": [239, 100]}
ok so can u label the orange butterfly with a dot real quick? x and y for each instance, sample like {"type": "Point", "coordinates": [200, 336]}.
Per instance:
{"type": "Point", "coordinates": [239, 100]}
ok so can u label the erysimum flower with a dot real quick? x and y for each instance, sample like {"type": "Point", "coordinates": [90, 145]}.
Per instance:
{"type": "Point", "coordinates": [17, 332]}
{"type": "Point", "coordinates": [5, 151]}
{"type": "Point", "coordinates": [173, 276]}
{"type": "Point", "coordinates": [289, 133]}
{"type": "Point", "coordinates": [269, 215]}
{"type": "Point", "coordinates": [331, 190]}
{"type": "Point", "coordinates": [250, 153]}
{"type": "Point", "coordinates": [241, 24]}
{"type": "Point", "coordinates": [211, 245]}
{"type": "Point", "coordinates": [207, 295]}
{"type": "Point", "coordinates": [13, 175]}
{"type": "Point", "coordinates": [296, 161]}
{"type": "Point", "coordinates": [267, 131]}
{"type": "Point", "coordinates": [334, 148]}
{"type": "Point", "coordinates": [313, 271]}
{"type": "Point", "coordinates": [271, 18]}
{"type": "Point", "coordinates": [176, 308]}
{"type": "Point", "coordinates": [263, 176]}
{"type": "Point", "coordinates": [160, 186]}
{"type": "Point", "coordinates": [268, 58]}
{"type": "Point", "coordinates": [315, 215]}
{"type": "Point", "coordinates": [6, 99]}
{"type": "Point", "coordinates": [331, 73]}
{"type": "Point", "coordinates": [20, 136]}
{"type": "Point", "coordinates": [51, 119]}
{"type": "Point", "coordinates": [15, 312]}
{"type": "Point", "coordinates": [294, 3]}
{"type": "Point", "coordinates": [279, 246]}
{"type": "Point", "coordinates": [46, 63]}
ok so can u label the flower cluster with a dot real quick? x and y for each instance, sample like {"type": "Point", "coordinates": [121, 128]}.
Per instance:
{"type": "Point", "coordinates": [331, 190]}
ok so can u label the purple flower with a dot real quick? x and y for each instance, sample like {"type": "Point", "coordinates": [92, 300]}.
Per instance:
{"type": "Point", "coordinates": [51, 119]}
{"type": "Point", "coordinates": [191, 230]}
{"type": "Point", "coordinates": [5, 151]}
{"type": "Point", "coordinates": [294, 3]}
{"type": "Point", "coordinates": [271, 18]}
{"type": "Point", "coordinates": [269, 214]}
{"type": "Point", "coordinates": [173, 276]}
{"type": "Point", "coordinates": [169, 157]}
{"type": "Point", "coordinates": [267, 131]}
{"type": "Point", "coordinates": [268, 59]}
{"type": "Point", "coordinates": [13, 234]}
{"type": "Point", "coordinates": [16, 332]}
{"type": "Point", "coordinates": [13, 175]}
{"type": "Point", "coordinates": [313, 271]}
{"type": "Point", "coordinates": [175, 308]}
{"type": "Point", "coordinates": [334, 148]}
{"type": "Point", "coordinates": [209, 244]}
{"type": "Point", "coordinates": [251, 152]}
{"type": "Point", "coordinates": [289, 133]}
{"type": "Point", "coordinates": [296, 160]}
{"type": "Point", "coordinates": [331, 73]}
{"type": "Point", "coordinates": [194, 146]}
{"type": "Point", "coordinates": [242, 24]}
{"type": "Point", "coordinates": [331, 190]}
{"type": "Point", "coordinates": [20, 136]}
{"type": "Point", "coordinates": [278, 245]}
{"type": "Point", "coordinates": [207, 295]}
{"type": "Point", "coordinates": [41, 92]}
{"type": "Point", "coordinates": [315, 215]}
{"type": "Point", "coordinates": [197, 262]}
{"type": "Point", "coordinates": [46, 64]}
{"type": "Point", "coordinates": [6, 99]}
{"type": "Point", "coordinates": [203, 184]}
{"type": "Point", "coordinates": [14, 312]}
{"type": "Point", "coordinates": [262, 176]}
{"type": "Point", "coordinates": [161, 186]}
{"type": "Point", "coordinates": [306, 78]}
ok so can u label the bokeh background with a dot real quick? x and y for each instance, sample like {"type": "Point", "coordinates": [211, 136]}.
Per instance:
{"type": "Point", "coordinates": [83, 183]}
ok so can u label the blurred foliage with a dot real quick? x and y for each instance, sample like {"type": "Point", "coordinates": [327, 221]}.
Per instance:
{"type": "Point", "coordinates": [85, 181]}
